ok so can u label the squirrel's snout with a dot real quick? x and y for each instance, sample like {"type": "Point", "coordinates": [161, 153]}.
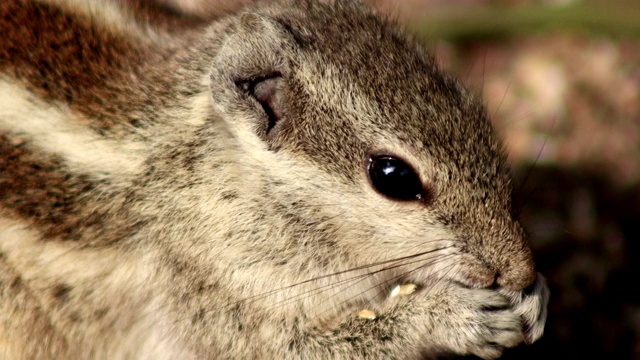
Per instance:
{"type": "Point", "coordinates": [505, 250]}
{"type": "Point", "coordinates": [518, 273]}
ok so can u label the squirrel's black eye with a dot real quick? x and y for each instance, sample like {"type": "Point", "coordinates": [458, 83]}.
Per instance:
{"type": "Point", "coordinates": [394, 178]}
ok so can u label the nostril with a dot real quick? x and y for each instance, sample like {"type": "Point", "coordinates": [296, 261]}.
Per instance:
{"type": "Point", "coordinates": [496, 282]}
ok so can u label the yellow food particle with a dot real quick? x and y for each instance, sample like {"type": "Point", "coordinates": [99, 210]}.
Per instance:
{"type": "Point", "coordinates": [367, 314]}
{"type": "Point", "coordinates": [407, 289]}
{"type": "Point", "coordinates": [403, 290]}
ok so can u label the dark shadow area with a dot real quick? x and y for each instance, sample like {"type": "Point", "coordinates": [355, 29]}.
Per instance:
{"type": "Point", "coordinates": [584, 230]}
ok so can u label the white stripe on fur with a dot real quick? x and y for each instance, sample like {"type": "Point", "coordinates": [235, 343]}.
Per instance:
{"type": "Point", "coordinates": [57, 130]}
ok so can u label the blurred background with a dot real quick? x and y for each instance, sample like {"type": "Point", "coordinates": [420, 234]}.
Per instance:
{"type": "Point", "coordinates": [561, 80]}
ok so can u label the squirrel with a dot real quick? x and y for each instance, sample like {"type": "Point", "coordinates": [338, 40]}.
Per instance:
{"type": "Point", "coordinates": [289, 179]}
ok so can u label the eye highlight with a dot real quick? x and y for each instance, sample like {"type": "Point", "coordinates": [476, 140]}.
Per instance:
{"type": "Point", "coordinates": [394, 178]}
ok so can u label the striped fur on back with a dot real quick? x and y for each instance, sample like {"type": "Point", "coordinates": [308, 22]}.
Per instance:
{"type": "Point", "coordinates": [78, 99]}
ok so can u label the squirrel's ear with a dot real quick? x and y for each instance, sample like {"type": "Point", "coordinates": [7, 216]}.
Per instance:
{"type": "Point", "coordinates": [249, 75]}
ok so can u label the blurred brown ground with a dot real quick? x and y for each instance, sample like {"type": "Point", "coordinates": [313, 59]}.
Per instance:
{"type": "Point", "coordinates": [561, 80]}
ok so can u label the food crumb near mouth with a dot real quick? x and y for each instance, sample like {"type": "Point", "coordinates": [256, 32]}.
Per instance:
{"type": "Point", "coordinates": [403, 290]}
{"type": "Point", "coordinates": [367, 314]}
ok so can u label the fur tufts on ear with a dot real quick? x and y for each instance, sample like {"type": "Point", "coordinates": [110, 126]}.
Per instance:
{"type": "Point", "coordinates": [252, 23]}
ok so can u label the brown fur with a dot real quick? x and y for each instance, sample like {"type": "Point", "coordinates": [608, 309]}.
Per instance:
{"type": "Point", "coordinates": [38, 188]}
{"type": "Point", "coordinates": [39, 38]}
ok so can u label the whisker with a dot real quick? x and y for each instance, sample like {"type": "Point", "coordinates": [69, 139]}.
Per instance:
{"type": "Point", "coordinates": [524, 199]}
{"type": "Point", "coordinates": [341, 272]}
{"type": "Point", "coordinates": [392, 280]}
{"type": "Point", "coordinates": [495, 113]}
{"type": "Point", "coordinates": [358, 279]}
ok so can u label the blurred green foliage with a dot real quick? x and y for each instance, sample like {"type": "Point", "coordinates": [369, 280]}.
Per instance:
{"type": "Point", "coordinates": [457, 23]}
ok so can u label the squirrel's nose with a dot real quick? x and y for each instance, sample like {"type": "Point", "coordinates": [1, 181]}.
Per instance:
{"type": "Point", "coordinates": [518, 273]}
{"type": "Point", "coordinates": [508, 254]}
